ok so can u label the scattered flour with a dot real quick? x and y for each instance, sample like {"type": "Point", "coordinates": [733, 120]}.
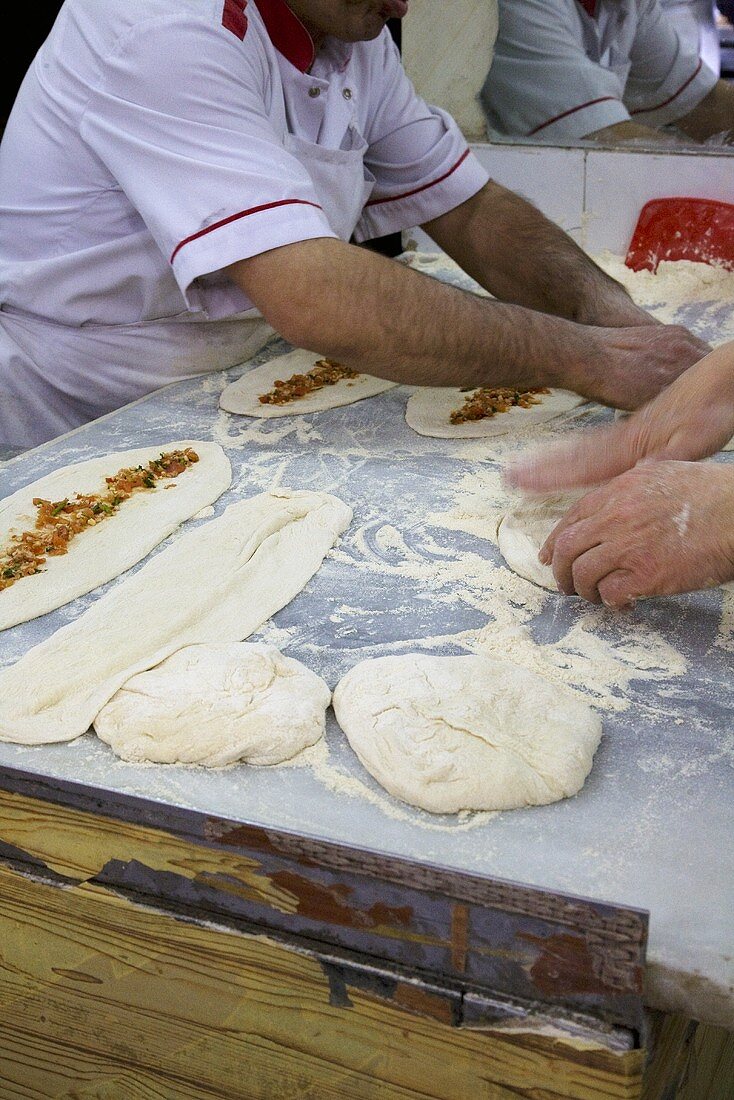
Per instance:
{"type": "Point", "coordinates": [725, 636]}
{"type": "Point", "coordinates": [674, 286]}
{"type": "Point", "coordinates": [334, 779]}
{"type": "Point", "coordinates": [680, 519]}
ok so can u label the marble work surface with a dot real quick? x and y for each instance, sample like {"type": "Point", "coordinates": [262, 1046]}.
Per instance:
{"type": "Point", "coordinates": [419, 569]}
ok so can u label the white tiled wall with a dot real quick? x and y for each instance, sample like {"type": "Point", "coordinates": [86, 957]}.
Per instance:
{"type": "Point", "coordinates": [597, 195]}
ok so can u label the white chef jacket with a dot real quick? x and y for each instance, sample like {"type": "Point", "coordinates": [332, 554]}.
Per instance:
{"type": "Point", "coordinates": [152, 143]}
{"type": "Point", "coordinates": [563, 69]}
{"type": "Point", "coordinates": [695, 22]}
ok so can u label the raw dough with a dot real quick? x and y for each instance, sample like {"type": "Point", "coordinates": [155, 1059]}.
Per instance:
{"type": "Point", "coordinates": [523, 530]}
{"type": "Point", "coordinates": [216, 583]}
{"type": "Point", "coordinates": [243, 395]}
{"type": "Point", "coordinates": [428, 411]}
{"type": "Point", "coordinates": [215, 705]}
{"type": "Point", "coordinates": [466, 733]}
{"type": "Point", "coordinates": [105, 551]}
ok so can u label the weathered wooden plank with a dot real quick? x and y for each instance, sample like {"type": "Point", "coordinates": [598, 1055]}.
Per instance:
{"type": "Point", "coordinates": [507, 939]}
{"type": "Point", "coordinates": [137, 1000]}
{"type": "Point", "coordinates": [690, 1060]}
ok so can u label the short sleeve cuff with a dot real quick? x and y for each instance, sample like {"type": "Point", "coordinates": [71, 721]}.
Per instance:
{"type": "Point", "coordinates": [244, 234]}
{"type": "Point", "coordinates": [576, 122]}
{"type": "Point", "coordinates": [463, 179]}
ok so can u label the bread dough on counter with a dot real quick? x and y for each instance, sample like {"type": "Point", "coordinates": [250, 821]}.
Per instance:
{"type": "Point", "coordinates": [217, 704]}
{"type": "Point", "coordinates": [243, 396]}
{"type": "Point", "coordinates": [217, 583]}
{"type": "Point", "coordinates": [466, 733]}
{"type": "Point", "coordinates": [523, 530]}
{"type": "Point", "coordinates": [111, 547]}
{"type": "Point", "coordinates": [429, 408]}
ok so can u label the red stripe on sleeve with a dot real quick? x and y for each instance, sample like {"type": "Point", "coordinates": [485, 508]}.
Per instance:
{"type": "Point", "coordinates": [236, 217]}
{"type": "Point", "coordinates": [658, 106]}
{"type": "Point", "coordinates": [423, 187]}
{"type": "Point", "coordinates": [570, 111]}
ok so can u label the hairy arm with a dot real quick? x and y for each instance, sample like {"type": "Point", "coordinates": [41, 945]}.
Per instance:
{"type": "Point", "coordinates": [517, 254]}
{"type": "Point", "coordinates": [713, 115]}
{"type": "Point", "coordinates": [622, 133]}
{"type": "Point", "coordinates": [378, 316]}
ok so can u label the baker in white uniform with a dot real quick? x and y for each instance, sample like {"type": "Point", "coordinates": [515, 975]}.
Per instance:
{"type": "Point", "coordinates": [618, 70]}
{"type": "Point", "coordinates": [178, 179]}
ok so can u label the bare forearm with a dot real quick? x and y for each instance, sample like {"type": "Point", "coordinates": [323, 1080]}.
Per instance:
{"type": "Point", "coordinates": [383, 318]}
{"type": "Point", "coordinates": [380, 317]}
{"type": "Point", "coordinates": [624, 133]}
{"type": "Point", "coordinates": [713, 115]}
{"type": "Point", "coordinates": [520, 256]}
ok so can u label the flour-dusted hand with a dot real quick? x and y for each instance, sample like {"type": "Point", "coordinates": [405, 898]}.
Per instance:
{"type": "Point", "coordinates": [658, 529]}
{"type": "Point", "coordinates": [693, 418]}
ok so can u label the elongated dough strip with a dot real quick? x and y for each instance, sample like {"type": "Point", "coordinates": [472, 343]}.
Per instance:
{"type": "Point", "coordinates": [217, 583]}
{"type": "Point", "coordinates": [116, 544]}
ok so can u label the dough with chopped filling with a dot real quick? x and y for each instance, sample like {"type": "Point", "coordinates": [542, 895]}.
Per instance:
{"type": "Point", "coordinates": [428, 411]}
{"type": "Point", "coordinates": [243, 396]}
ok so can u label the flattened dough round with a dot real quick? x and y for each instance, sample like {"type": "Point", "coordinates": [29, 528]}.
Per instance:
{"type": "Point", "coordinates": [429, 408]}
{"type": "Point", "coordinates": [215, 705]}
{"type": "Point", "coordinates": [114, 546]}
{"type": "Point", "coordinates": [243, 396]}
{"type": "Point", "coordinates": [466, 733]}
{"type": "Point", "coordinates": [523, 530]}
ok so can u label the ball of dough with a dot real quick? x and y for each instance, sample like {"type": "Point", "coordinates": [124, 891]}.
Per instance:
{"type": "Point", "coordinates": [523, 530]}
{"type": "Point", "coordinates": [215, 705]}
{"type": "Point", "coordinates": [466, 733]}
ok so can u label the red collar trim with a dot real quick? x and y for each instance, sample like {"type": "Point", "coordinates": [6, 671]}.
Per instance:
{"type": "Point", "coordinates": [287, 33]}
{"type": "Point", "coordinates": [589, 7]}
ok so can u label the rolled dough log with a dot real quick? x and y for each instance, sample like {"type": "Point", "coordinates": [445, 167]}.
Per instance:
{"type": "Point", "coordinates": [243, 395]}
{"type": "Point", "coordinates": [428, 411]}
{"type": "Point", "coordinates": [103, 552]}
{"type": "Point", "coordinates": [523, 530]}
{"type": "Point", "coordinates": [216, 583]}
{"type": "Point", "coordinates": [466, 733]}
{"type": "Point", "coordinates": [217, 704]}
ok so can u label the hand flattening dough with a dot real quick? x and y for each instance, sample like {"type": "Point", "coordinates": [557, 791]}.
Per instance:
{"type": "Point", "coordinates": [428, 411]}
{"type": "Point", "coordinates": [105, 551]}
{"type": "Point", "coordinates": [466, 733]}
{"type": "Point", "coordinates": [216, 705]}
{"type": "Point", "coordinates": [216, 583]}
{"type": "Point", "coordinates": [243, 396]}
{"type": "Point", "coordinates": [523, 530]}
{"type": "Point", "coordinates": [622, 414]}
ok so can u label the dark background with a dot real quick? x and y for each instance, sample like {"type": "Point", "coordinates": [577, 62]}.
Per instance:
{"type": "Point", "coordinates": [31, 31]}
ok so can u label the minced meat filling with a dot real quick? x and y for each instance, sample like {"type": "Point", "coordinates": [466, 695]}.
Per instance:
{"type": "Point", "coordinates": [59, 521]}
{"type": "Point", "coordinates": [325, 372]}
{"type": "Point", "coordinates": [486, 402]}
